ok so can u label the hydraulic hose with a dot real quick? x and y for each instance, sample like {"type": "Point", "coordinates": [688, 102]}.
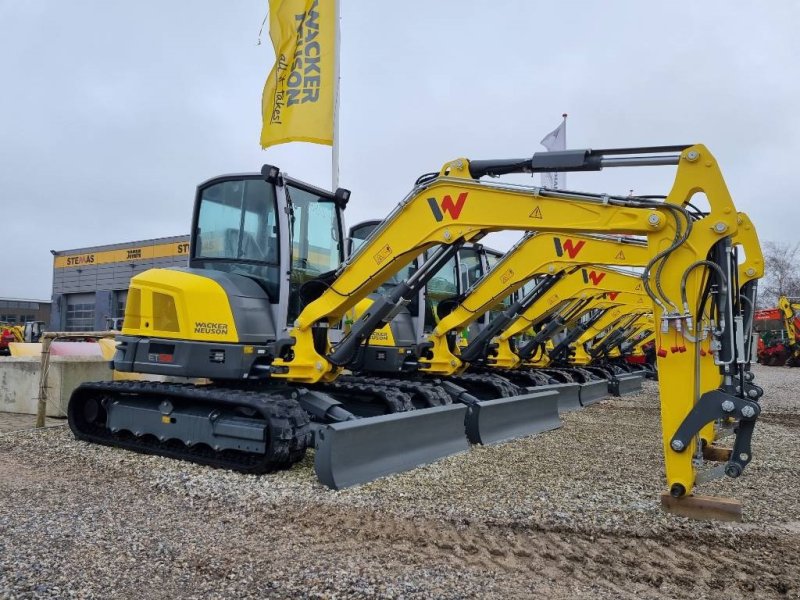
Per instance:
{"type": "Point", "coordinates": [681, 235]}
{"type": "Point", "coordinates": [692, 267]}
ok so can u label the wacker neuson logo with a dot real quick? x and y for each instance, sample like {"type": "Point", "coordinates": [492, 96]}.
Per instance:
{"type": "Point", "coordinates": [209, 328]}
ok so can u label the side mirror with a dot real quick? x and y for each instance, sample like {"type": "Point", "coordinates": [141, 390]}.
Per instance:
{"type": "Point", "coordinates": [341, 197]}
{"type": "Point", "coordinates": [270, 173]}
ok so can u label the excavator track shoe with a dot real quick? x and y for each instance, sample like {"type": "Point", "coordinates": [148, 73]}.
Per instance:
{"type": "Point", "coordinates": [622, 385]}
{"type": "Point", "coordinates": [594, 391]}
{"type": "Point", "coordinates": [504, 419]}
{"type": "Point", "coordinates": [361, 450]}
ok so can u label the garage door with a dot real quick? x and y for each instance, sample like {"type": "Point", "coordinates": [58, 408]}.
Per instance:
{"type": "Point", "coordinates": [80, 312]}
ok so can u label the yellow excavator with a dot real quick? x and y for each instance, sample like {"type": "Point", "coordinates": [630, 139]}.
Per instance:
{"type": "Point", "coordinates": [547, 254]}
{"type": "Point", "coordinates": [603, 340]}
{"type": "Point", "coordinates": [789, 308]}
{"type": "Point", "coordinates": [435, 350]}
{"type": "Point", "coordinates": [266, 282]}
{"type": "Point", "coordinates": [578, 293]}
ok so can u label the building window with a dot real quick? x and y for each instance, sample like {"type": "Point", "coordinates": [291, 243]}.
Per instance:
{"type": "Point", "coordinates": [80, 317]}
{"type": "Point", "coordinates": [10, 319]}
{"type": "Point", "coordinates": [27, 318]}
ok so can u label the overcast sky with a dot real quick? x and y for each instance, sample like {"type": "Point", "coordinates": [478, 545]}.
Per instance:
{"type": "Point", "coordinates": [111, 113]}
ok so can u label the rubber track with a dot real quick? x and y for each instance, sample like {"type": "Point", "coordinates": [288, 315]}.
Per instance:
{"type": "Point", "coordinates": [579, 372]}
{"type": "Point", "coordinates": [426, 391]}
{"type": "Point", "coordinates": [502, 387]}
{"type": "Point", "coordinates": [556, 373]}
{"type": "Point", "coordinates": [288, 424]}
{"type": "Point", "coordinates": [525, 377]}
{"type": "Point", "coordinates": [600, 372]}
{"type": "Point", "coordinates": [392, 397]}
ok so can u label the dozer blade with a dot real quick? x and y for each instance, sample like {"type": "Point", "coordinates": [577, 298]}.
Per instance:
{"type": "Point", "coordinates": [496, 421]}
{"type": "Point", "coordinates": [361, 450]}
{"type": "Point", "coordinates": [568, 395]}
{"type": "Point", "coordinates": [593, 391]}
{"type": "Point", "coordinates": [625, 384]}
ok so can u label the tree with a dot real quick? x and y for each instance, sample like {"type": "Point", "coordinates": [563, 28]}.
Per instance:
{"type": "Point", "coordinates": [781, 273]}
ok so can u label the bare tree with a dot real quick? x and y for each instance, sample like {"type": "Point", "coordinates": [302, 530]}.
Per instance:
{"type": "Point", "coordinates": [781, 272]}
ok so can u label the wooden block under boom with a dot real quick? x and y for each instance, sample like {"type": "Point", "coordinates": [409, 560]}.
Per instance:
{"type": "Point", "coordinates": [716, 454]}
{"type": "Point", "coordinates": [705, 508]}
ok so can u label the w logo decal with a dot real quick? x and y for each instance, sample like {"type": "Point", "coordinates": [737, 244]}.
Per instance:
{"type": "Point", "coordinates": [570, 247]}
{"type": "Point", "coordinates": [448, 206]}
{"type": "Point", "coordinates": [592, 276]}
{"type": "Point", "coordinates": [612, 295]}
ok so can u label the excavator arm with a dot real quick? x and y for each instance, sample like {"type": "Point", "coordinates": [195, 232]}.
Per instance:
{"type": "Point", "coordinates": [534, 255]}
{"type": "Point", "coordinates": [612, 320]}
{"type": "Point", "coordinates": [595, 284]}
{"type": "Point", "coordinates": [596, 310]}
{"type": "Point", "coordinates": [788, 308]}
{"type": "Point", "coordinates": [447, 210]}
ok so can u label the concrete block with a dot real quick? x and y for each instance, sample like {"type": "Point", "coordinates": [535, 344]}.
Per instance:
{"type": "Point", "coordinates": [19, 381]}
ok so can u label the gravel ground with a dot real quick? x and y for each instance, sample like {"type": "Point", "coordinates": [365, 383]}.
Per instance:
{"type": "Point", "coordinates": [15, 422]}
{"type": "Point", "coordinates": [569, 513]}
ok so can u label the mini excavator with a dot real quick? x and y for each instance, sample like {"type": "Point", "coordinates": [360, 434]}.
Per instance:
{"type": "Point", "coordinates": [267, 280]}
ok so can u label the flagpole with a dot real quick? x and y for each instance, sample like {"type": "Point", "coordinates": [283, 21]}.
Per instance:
{"type": "Point", "coordinates": [564, 175]}
{"type": "Point", "coordinates": [336, 58]}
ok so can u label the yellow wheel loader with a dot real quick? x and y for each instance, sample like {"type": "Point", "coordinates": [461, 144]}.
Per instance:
{"type": "Point", "coordinates": [265, 283]}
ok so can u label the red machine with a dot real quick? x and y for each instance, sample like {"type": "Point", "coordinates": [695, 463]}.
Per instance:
{"type": "Point", "coordinates": [774, 340]}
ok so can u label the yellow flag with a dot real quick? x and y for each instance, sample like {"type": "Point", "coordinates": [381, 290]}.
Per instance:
{"type": "Point", "coordinates": [298, 100]}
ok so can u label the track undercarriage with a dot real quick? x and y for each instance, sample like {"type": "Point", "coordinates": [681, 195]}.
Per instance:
{"type": "Point", "coordinates": [261, 428]}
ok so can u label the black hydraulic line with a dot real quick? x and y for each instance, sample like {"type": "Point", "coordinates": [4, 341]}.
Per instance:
{"type": "Point", "coordinates": [613, 340]}
{"type": "Point", "coordinates": [561, 351]}
{"type": "Point", "coordinates": [680, 237]}
{"type": "Point", "coordinates": [720, 256]}
{"type": "Point", "coordinates": [528, 349]}
{"type": "Point", "coordinates": [383, 309]}
{"type": "Point", "coordinates": [478, 347]}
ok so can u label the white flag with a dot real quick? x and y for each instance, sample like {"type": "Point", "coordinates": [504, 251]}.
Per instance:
{"type": "Point", "coordinates": [555, 140]}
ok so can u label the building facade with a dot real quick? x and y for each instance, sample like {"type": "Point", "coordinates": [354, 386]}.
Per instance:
{"type": "Point", "coordinates": [90, 285]}
{"type": "Point", "coordinates": [20, 310]}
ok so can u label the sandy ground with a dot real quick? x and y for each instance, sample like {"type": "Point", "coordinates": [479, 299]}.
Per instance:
{"type": "Point", "coordinates": [569, 513]}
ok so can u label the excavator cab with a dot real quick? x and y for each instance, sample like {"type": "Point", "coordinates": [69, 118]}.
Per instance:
{"type": "Point", "coordinates": [240, 221]}
{"type": "Point", "coordinates": [261, 246]}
